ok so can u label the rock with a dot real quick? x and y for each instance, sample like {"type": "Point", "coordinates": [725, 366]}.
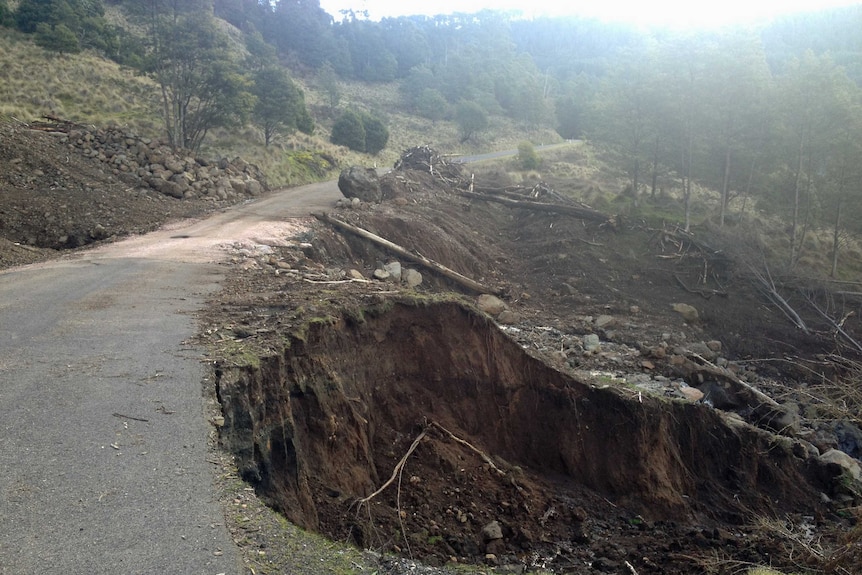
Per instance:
{"type": "Point", "coordinates": [714, 345]}
{"type": "Point", "coordinates": [355, 203]}
{"type": "Point", "coordinates": [359, 182]}
{"type": "Point", "coordinates": [492, 531]}
{"type": "Point", "coordinates": [845, 461]}
{"type": "Point", "coordinates": [355, 274]}
{"type": "Point", "coordinates": [412, 278]}
{"type": "Point", "coordinates": [507, 317]}
{"type": "Point", "coordinates": [849, 437]}
{"type": "Point", "coordinates": [703, 350]}
{"type": "Point", "coordinates": [492, 305]}
{"type": "Point", "coordinates": [394, 269]}
{"type": "Point", "coordinates": [691, 393]}
{"type": "Point", "coordinates": [592, 342]}
{"type": "Point", "coordinates": [783, 419]}
{"type": "Point", "coordinates": [688, 313]}
{"type": "Point", "coordinates": [380, 274]}
{"type": "Point", "coordinates": [605, 321]}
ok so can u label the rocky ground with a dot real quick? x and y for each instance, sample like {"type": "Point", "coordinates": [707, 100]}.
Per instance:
{"type": "Point", "coordinates": [630, 401]}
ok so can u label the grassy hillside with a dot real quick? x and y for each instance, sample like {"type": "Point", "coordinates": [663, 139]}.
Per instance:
{"type": "Point", "coordinates": [89, 89]}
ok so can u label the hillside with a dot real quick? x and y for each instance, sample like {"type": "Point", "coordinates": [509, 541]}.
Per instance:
{"type": "Point", "coordinates": [640, 398]}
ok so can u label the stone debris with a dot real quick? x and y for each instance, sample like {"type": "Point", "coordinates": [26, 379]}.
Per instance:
{"type": "Point", "coordinates": [359, 183]}
{"type": "Point", "coordinates": [153, 163]}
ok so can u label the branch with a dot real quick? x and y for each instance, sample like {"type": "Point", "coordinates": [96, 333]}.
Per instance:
{"type": "Point", "coordinates": [768, 287]}
{"type": "Point", "coordinates": [395, 472]}
{"type": "Point", "coordinates": [578, 212]}
{"type": "Point", "coordinates": [468, 445]}
{"type": "Point", "coordinates": [838, 326]}
{"type": "Point", "coordinates": [461, 280]}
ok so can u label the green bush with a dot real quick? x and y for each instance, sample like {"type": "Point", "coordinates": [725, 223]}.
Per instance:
{"type": "Point", "coordinates": [360, 132]}
{"type": "Point", "coordinates": [57, 39]}
{"type": "Point", "coordinates": [349, 131]}
{"type": "Point", "coordinates": [527, 157]}
{"type": "Point", "coordinates": [376, 134]}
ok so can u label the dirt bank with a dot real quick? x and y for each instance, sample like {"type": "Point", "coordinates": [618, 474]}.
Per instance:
{"type": "Point", "coordinates": [389, 417]}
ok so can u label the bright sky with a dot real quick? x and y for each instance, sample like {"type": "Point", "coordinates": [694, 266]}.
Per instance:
{"type": "Point", "coordinates": [672, 13]}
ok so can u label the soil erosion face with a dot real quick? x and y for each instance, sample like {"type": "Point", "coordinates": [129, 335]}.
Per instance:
{"type": "Point", "coordinates": [490, 451]}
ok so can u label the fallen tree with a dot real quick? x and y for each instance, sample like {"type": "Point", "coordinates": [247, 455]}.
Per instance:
{"type": "Point", "coordinates": [575, 211]}
{"type": "Point", "coordinates": [459, 279]}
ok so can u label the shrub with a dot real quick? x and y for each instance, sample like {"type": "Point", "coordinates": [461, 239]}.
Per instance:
{"type": "Point", "coordinates": [376, 134]}
{"type": "Point", "coordinates": [349, 131]}
{"type": "Point", "coordinates": [527, 157]}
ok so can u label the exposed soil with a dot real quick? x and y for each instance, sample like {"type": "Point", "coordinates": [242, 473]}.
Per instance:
{"type": "Point", "coordinates": [54, 199]}
{"type": "Point", "coordinates": [515, 443]}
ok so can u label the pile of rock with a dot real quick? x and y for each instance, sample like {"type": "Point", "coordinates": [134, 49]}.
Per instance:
{"type": "Point", "coordinates": [393, 272]}
{"type": "Point", "coordinates": [155, 164]}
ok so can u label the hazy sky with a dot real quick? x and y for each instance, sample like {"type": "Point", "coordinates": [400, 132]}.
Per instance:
{"type": "Point", "coordinates": [675, 13]}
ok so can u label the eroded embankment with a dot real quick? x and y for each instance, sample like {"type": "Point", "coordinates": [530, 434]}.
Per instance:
{"type": "Point", "coordinates": [326, 423]}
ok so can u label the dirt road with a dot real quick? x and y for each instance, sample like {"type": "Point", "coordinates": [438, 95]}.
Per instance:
{"type": "Point", "coordinates": [103, 434]}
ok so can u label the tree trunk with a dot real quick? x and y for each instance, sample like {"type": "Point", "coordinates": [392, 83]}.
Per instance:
{"type": "Point", "coordinates": [459, 279]}
{"type": "Point", "coordinates": [725, 185]}
{"type": "Point", "coordinates": [794, 225]}
{"type": "Point", "coordinates": [655, 151]}
{"type": "Point", "coordinates": [836, 238]}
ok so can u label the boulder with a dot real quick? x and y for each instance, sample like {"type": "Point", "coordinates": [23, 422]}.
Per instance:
{"type": "Point", "coordinates": [412, 278]}
{"type": "Point", "coordinates": [492, 305]}
{"type": "Point", "coordinates": [849, 464]}
{"type": "Point", "coordinates": [359, 182]}
{"type": "Point", "coordinates": [688, 313]}
{"type": "Point", "coordinates": [394, 269]}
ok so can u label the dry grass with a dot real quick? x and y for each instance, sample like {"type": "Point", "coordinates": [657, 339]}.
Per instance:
{"type": "Point", "coordinates": [81, 87]}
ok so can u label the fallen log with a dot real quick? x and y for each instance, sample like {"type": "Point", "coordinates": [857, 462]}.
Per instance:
{"type": "Point", "coordinates": [459, 279]}
{"type": "Point", "coordinates": [575, 211]}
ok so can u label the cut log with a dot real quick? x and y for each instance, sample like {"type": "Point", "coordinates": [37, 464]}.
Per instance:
{"type": "Point", "coordinates": [575, 211]}
{"type": "Point", "coordinates": [459, 279]}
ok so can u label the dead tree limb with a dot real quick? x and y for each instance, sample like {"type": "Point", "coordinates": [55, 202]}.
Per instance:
{"type": "Point", "coordinates": [459, 279]}
{"type": "Point", "coordinates": [726, 374]}
{"type": "Point", "coordinates": [767, 286]}
{"type": "Point", "coordinates": [702, 292]}
{"type": "Point", "coordinates": [836, 325]}
{"type": "Point", "coordinates": [395, 472]}
{"type": "Point", "coordinates": [470, 446]}
{"type": "Point", "coordinates": [578, 212]}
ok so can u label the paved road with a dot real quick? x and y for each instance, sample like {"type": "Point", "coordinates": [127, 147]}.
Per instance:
{"type": "Point", "coordinates": [103, 434]}
{"type": "Point", "coordinates": [506, 153]}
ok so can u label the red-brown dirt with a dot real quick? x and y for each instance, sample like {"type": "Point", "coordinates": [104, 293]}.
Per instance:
{"type": "Point", "coordinates": [581, 468]}
{"type": "Point", "coordinates": [588, 460]}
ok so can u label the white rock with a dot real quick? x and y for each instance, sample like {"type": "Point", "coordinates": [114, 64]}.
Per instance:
{"type": "Point", "coordinates": [845, 461]}
{"type": "Point", "coordinates": [394, 269]}
{"type": "Point", "coordinates": [412, 278]}
{"type": "Point", "coordinates": [381, 275]}
{"type": "Point", "coordinates": [492, 305]}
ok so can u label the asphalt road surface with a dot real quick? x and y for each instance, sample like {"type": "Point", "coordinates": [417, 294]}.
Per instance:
{"type": "Point", "coordinates": [103, 430]}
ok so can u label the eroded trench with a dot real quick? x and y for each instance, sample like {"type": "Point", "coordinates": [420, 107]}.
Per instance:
{"type": "Point", "coordinates": [471, 429]}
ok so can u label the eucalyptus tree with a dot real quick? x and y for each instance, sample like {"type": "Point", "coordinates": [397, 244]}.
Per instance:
{"type": "Point", "coordinates": [279, 106]}
{"type": "Point", "coordinates": [735, 91]}
{"type": "Point", "coordinates": [197, 69]}
{"type": "Point", "coordinates": [813, 92]}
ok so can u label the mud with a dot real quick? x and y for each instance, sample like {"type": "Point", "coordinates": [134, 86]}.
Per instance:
{"type": "Point", "coordinates": [556, 462]}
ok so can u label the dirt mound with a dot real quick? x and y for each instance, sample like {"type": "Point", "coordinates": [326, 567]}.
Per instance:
{"type": "Point", "coordinates": [581, 435]}
{"type": "Point", "coordinates": [53, 199]}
